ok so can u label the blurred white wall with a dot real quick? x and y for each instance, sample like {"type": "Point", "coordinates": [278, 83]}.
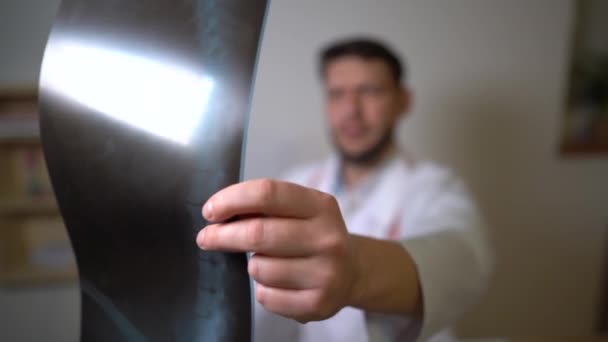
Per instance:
{"type": "Point", "coordinates": [24, 26]}
{"type": "Point", "coordinates": [489, 78]}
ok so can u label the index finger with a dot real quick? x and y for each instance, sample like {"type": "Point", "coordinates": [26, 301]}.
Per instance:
{"type": "Point", "coordinates": [262, 197]}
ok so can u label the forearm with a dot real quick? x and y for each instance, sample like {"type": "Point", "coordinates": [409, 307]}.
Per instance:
{"type": "Point", "coordinates": [387, 279]}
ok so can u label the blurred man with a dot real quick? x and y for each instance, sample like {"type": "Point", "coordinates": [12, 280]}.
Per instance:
{"type": "Point", "coordinates": [370, 245]}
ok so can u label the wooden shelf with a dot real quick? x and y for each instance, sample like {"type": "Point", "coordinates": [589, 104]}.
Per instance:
{"type": "Point", "coordinates": [576, 150]}
{"type": "Point", "coordinates": [28, 208]}
{"type": "Point", "coordinates": [20, 140]}
{"type": "Point", "coordinates": [19, 120]}
{"type": "Point", "coordinates": [19, 132]}
{"type": "Point", "coordinates": [33, 276]}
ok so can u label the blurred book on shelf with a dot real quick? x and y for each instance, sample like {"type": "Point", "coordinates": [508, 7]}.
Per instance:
{"type": "Point", "coordinates": [25, 175]}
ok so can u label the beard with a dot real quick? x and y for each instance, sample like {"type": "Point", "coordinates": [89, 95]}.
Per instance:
{"type": "Point", "coordinates": [369, 156]}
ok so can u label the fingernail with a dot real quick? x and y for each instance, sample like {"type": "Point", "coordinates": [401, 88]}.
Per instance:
{"type": "Point", "coordinates": [200, 239]}
{"type": "Point", "coordinates": [259, 293]}
{"type": "Point", "coordinates": [252, 268]}
{"type": "Point", "coordinates": [208, 210]}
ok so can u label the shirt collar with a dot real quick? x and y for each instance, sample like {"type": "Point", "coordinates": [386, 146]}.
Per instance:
{"type": "Point", "coordinates": [366, 187]}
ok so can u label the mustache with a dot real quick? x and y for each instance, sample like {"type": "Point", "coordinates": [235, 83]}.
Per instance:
{"type": "Point", "coordinates": [368, 156]}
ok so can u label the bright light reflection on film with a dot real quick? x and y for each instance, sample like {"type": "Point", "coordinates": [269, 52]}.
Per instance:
{"type": "Point", "coordinates": [160, 98]}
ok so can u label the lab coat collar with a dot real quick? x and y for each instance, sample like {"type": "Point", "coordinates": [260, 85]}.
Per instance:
{"type": "Point", "coordinates": [328, 174]}
{"type": "Point", "coordinates": [386, 199]}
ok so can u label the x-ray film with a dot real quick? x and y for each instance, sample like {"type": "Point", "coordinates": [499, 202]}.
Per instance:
{"type": "Point", "coordinates": [144, 106]}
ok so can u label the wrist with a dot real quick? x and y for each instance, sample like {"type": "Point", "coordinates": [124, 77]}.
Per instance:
{"type": "Point", "coordinates": [385, 278]}
{"type": "Point", "coordinates": [360, 271]}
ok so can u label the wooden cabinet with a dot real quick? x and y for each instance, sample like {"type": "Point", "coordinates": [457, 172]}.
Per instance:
{"type": "Point", "coordinates": [34, 246]}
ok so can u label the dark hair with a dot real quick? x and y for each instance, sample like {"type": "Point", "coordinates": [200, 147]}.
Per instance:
{"type": "Point", "coordinates": [365, 48]}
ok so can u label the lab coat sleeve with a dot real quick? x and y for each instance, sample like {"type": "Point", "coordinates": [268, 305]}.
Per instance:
{"type": "Point", "coordinates": [452, 255]}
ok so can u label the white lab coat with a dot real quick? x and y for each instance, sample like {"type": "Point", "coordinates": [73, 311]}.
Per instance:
{"type": "Point", "coordinates": [430, 211]}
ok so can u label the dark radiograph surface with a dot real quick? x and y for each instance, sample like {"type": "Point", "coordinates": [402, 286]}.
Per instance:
{"type": "Point", "coordinates": [144, 106]}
